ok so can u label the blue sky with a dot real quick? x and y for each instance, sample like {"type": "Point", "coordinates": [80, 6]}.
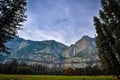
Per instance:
{"type": "Point", "coordinates": [65, 21]}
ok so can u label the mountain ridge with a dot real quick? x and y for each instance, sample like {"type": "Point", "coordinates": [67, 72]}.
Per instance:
{"type": "Point", "coordinates": [52, 53]}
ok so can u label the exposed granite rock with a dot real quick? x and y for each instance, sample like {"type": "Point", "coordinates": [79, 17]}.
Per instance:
{"type": "Point", "coordinates": [54, 54]}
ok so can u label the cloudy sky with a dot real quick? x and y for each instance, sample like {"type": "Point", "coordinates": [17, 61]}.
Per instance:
{"type": "Point", "coordinates": [65, 21]}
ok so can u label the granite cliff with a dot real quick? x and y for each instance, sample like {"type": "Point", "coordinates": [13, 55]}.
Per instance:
{"type": "Point", "coordinates": [53, 54]}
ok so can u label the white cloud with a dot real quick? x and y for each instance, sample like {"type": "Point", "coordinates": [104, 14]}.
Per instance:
{"type": "Point", "coordinates": [57, 21]}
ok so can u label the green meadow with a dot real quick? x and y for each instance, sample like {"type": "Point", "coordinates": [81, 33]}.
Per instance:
{"type": "Point", "coordinates": [44, 77]}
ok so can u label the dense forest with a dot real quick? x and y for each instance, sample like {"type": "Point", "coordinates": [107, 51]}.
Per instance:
{"type": "Point", "coordinates": [22, 68]}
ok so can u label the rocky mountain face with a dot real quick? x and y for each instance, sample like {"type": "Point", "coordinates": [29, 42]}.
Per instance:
{"type": "Point", "coordinates": [53, 54]}
{"type": "Point", "coordinates": [82, 53]}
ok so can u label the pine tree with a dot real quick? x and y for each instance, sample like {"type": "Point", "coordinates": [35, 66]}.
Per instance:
{"type": "Point", "coordinates": [108, 35]}
{"type": "Point", "coordinates": [110, 15]}
{"type": "Point", "coordinates": [12, 14]}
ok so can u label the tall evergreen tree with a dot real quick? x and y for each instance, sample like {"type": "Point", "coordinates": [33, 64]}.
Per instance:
{"type": "Point", "coordinates": [12, 14]}
{"type": "Point", "coordinates": [108, 35]}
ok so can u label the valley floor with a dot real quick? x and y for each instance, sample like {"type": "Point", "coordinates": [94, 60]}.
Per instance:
{"type": "Point", "coordinates": [43, 77]}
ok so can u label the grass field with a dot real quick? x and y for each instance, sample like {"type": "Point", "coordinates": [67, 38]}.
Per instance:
{"type": "Point", "coordinates": [39, 77]}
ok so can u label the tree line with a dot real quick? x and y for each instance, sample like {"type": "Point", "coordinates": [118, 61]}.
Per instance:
{"type": "Point", "coordinates": [22, 68]}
